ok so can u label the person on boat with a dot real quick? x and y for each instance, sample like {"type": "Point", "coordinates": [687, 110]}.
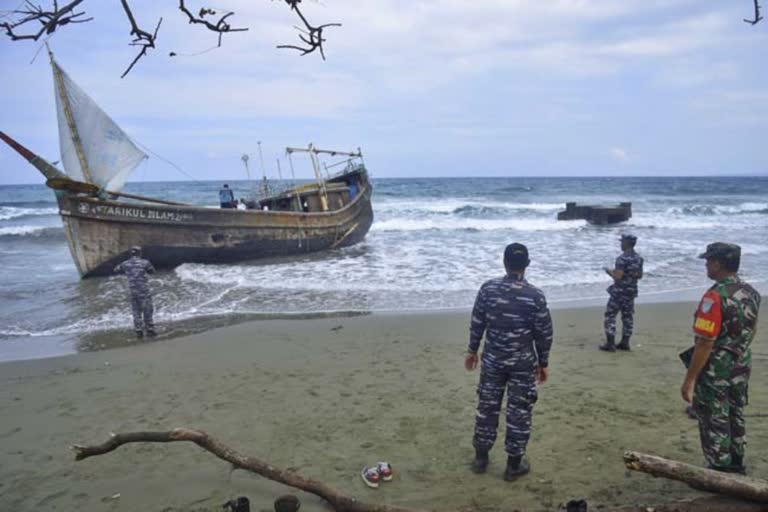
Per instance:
{"type": "Point", "coordinates": [136, 269]}
{"type": "Point", "coordinates": [227, 197]}
{"type": "Point", "coordinates": [515, 319]}
{"type": "Point", "coordinates": [621, 294]}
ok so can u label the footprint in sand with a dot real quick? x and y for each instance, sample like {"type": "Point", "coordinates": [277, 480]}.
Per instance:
{"type": "Point", "coordinates": [50, 498]}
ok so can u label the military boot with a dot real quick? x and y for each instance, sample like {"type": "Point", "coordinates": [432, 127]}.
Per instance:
{"type": "Point", "coordinates": [624, 345]}
{"type": "Point", "coordinates": [737, 465]}
{"type": "Point", "coordinates": [480, 464]}
{"type": "Point", "coordinates": [139, 333]}
{"type": "Point", "coordinates": [516, 467]}
{"type": "Point", "coordinates": [610, 343]}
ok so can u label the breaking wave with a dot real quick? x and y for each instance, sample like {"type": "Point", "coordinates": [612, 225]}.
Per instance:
{"type": "Point", "coordinates": [16, 212]}
{"type": "Point", "coordinates": [36, 232]}
{"type": "Point", "coordinates": [701, 210]}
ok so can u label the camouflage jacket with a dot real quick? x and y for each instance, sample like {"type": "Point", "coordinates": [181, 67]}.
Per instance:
{"type": "Point", "coordinates": [515, 319]}
{"type": "Point", "coordinates": [136, 269]}
{"type": "Point", "coordinates": [727, 315]}
{"type": "Point", "coordinates": [632, 265]}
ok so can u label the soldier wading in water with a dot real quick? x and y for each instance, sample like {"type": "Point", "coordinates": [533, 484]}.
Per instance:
{"type": "Point", "coordinates": [627, 271]}
{"type": "Point", "coordinates": [136, 269]}
{"type": "Point", "coordinates": [517, 325]}
{"type": "Point", "coordinates": [718, 373]}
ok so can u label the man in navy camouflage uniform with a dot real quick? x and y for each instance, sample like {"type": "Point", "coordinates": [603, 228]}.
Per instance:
{"type": "Point", "coordinates": [515, 319]}
{"type": "Point", "coordinates": [621, 294]}
{"type": "Point", "coordinates": [136, 269]}
{"type": "Point", "coordinates": [718, 373]}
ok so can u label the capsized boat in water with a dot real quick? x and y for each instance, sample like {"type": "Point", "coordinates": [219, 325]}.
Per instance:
{"type": "Point", "coordinates": [101, 223]}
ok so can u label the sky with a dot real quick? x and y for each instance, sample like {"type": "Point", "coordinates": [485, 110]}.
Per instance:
{"type": "Point", "coordinates": [424, 87]}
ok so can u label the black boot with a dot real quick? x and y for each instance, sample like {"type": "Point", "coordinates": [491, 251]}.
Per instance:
{"type": "Point", "coordinates": [610, 343]}
{"type": "Point", "coordinates": [139, 334]}
{"type": "Point", "coordinates": [516, 467]}
{"type": "Point", "coordinates": [737, 465]}
{"type": "Point", "coordinates": [624, 345]}
{"type": "Point", "coordinates": [480, 464]}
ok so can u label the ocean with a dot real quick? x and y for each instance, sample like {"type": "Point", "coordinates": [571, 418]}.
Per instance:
{"type": "Point", "coordinates": [433, 243]}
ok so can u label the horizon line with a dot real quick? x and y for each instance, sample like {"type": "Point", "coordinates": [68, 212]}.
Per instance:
{"type": "Point", "coordinates": [579, 176]}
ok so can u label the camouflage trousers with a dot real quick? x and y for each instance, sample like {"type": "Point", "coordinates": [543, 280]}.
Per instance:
{"type": "Point", "coordinates": [521, 395]}
{"type": "Point", "coordinates": [719, 406]}
{"type": "Point", "coordinates": [141, 306]}
{"type": "Point", "coordinates": [624, 304]}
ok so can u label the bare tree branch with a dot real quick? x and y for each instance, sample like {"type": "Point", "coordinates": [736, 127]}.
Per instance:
{"type": "Point", "coordinates": [314, 35]}
{"type": "Point", "coordinates": [221, 26]}
{"type": "Point", "coordinates": [142, 38]}
{"type": "Point", "coordinates": [757, 18]}
{"type": "Point", "coordinates": [341, 502]}
{"type": "Point", "coordinates": [49, 20]}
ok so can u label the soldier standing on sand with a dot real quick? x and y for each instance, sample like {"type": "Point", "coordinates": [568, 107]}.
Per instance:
{"type": "Point", "coordinates": [718, 373]}
{"type": "Point", "coordinates": [627, 271]}
{"type": "Point", "coordinates": [515, 319]}
{"type": "Point", "coordinates": [136, 269]}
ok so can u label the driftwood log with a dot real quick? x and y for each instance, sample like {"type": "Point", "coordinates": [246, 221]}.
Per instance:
{"type": "Point", "coordinates": [338, 500]}
{"type": "Point", "coordinates": [729, 484]}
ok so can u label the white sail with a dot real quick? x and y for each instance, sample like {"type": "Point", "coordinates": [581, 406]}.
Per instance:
{"type": "Point", "coordinates": [109, 155]}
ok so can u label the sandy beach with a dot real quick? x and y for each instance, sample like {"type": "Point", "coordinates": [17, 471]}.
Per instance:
{"type": "Point", "coordinates": [326, 396]}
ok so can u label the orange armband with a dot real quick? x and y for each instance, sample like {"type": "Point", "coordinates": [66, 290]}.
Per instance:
{"type": "Point", "coordinates": [709, 316]}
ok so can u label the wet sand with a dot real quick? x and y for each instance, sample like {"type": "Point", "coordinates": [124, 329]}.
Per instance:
{"type": "Point", "coordinates": [326, 396]}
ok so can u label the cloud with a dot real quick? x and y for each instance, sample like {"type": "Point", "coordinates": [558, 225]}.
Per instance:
{"type": "Point", "coordinates": [619, 154]}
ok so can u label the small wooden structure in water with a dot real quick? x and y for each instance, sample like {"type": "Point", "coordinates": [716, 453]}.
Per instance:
{"type": "Point", "coordinates": [596, 214]}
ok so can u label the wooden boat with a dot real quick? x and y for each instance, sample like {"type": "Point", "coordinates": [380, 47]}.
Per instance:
{"type": "Point", "coordinates": [101, 223]}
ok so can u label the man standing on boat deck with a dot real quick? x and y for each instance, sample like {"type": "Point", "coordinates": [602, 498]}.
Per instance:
{"type": "Point", "coordinates": [515, 319]}
{"type": "Point", "coordinates": [136, 270]}
{"type": "Point", "coordinates": [621, 294]}
{"type": "Point", "coordinates": [226, 197]}
{"type": "Point", "coordinates": [718, 373]}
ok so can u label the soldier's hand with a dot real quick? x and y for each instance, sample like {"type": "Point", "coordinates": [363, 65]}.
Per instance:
{"type": "Point", "coordinates": [470, 361]}
{"type": "Point", "coordinates": [686, 390]}
{"type": "Point", "coordinates": [541, 375]}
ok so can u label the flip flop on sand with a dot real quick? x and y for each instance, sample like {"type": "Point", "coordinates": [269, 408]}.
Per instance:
{"type": "Point", "coordinates": [371, 477]}
{"type": "Point", "coordinates": [385, 471]}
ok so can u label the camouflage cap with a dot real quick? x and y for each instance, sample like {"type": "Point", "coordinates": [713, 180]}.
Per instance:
{"type": "Point", "coordinates": [628, 238]}
{"type": "Point", "coordinates": [722, 251]}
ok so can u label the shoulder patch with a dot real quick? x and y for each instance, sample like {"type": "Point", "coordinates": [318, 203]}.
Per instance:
{"type": "Point", "coordinates": [706, 305]}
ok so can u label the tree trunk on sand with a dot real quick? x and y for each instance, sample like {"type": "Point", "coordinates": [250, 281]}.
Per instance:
{"type": "Point", "coordinates": [728, 484]}
{"type": "Point", "coordinates": [338, 500]}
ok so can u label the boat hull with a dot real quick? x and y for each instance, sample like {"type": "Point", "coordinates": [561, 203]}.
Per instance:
{"type": "Point", "coordinates": [100, 232]}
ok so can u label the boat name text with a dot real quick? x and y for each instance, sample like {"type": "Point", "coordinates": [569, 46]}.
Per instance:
{"type": "Point", "coordinates": [133, 213]}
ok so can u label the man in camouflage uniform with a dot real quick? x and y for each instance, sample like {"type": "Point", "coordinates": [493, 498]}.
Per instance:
{"type": "Point", "coordinates": [621, 294]}
{"type": "Point", "coordinates": [136, 269]}
{"type": "Point", "coordinates": [718, 373]}
{"type": "Point", "coordinates": [515, 319]}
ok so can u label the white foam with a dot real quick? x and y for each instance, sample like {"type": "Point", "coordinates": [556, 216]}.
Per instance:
{"type": "Point", "coordinates": [443, 206]}
{"type": "Point", "coordinates": [454, 223]}
{"type": "Point", "coordinates": [21, 230]}
{"type": "Point", "coordinates": [12, 212]}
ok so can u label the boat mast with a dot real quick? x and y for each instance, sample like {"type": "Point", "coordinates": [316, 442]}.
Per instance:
{"type": "Point", "coordinates": [59, 81]}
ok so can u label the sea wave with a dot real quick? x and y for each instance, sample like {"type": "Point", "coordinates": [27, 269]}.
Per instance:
{"type": "Point", "coordinates": [28, 204]}
{"type": "Point", "coordinates": [701, 210]}
{"type": "Point", "coordinates": [37, 232]}
{"type": "Point", "coordinates": [472, 224]}
{"type": "Point", "coordinates": [15, 212]}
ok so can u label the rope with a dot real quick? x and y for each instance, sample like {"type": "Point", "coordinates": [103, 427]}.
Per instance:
{"type": "Point", "coordinates": [182, 171]}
